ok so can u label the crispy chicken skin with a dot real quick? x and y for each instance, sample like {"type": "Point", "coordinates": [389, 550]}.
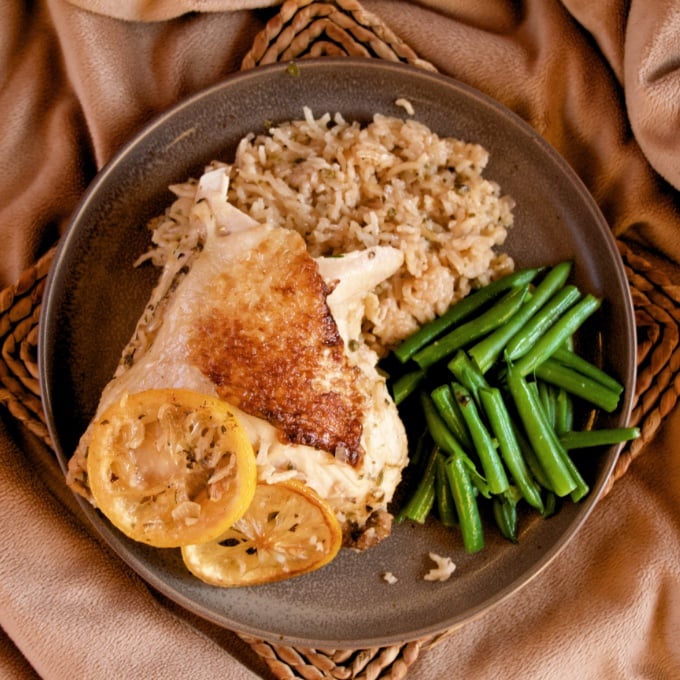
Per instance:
{"type": "Point", "coordinates": [267, 341]}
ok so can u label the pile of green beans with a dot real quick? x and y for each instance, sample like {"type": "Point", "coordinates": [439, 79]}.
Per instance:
{"type": "Point", "coordinates": [496, 380]}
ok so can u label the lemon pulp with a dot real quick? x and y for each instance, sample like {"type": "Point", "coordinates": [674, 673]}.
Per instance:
{"type": "Point", "coordinates": [288, 530]}
{"type": "Point", "coordinates": [171, 467]}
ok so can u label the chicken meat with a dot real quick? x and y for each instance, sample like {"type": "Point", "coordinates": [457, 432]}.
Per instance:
{"type": "Point", "coordinates": [249, 316]}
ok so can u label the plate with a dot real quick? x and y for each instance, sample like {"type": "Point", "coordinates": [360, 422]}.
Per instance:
{"type": "Point", "coordinates": [95, 295]}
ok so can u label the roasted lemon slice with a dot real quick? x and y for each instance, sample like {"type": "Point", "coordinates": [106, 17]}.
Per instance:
{"type": "Point", "coordinates": [288, 530]}
{"type": "Point", "coordinates": [171, 467]}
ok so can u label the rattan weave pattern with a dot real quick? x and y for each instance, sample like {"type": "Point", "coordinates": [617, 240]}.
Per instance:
{"type": "Point", "coordinates": [303, 28]}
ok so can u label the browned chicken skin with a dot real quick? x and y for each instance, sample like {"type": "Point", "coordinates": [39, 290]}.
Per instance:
{"type": "Point", "coordinates": [295, 374]}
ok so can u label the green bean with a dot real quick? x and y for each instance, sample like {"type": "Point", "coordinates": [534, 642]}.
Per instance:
{"type": "Point", "coordinates": [536, 327]}
{"type": "Point", "coordinates": [442, 436]}
{"type": "Point", "coordinates": [406, 384]}
{"type": "Point", "coordinates": [540, 434]}
{"type": "Point", "coordinates": [464, 499]}
{"type": "Point", "coordinates": [501, 426]}
{"type": "Point", "coordinates": [423, 443]}
{"type": "Point", "coordinates": [550, 505]}
{"type": "Point", "coordinates": [564, 411]}
{"type": "Point", "coordinates": [603, 437]}
{"type": "Point", "coordinates": [577, 384]}
{"type": "Point", "coordinates": [468, 332]}
{"type": "Point", "coordinates": [505, 515]}
{"type": "Point", "coordinates": [461, 311]}
{"type": "Point", "coordinates": [564, 327]}
{"type": "Point", "coordinates": [572, 360]}
{"type": "Point", "coordinates": [422, 500]}
{"type": "Point", "coordinates": [548, 398]}
{"type": "Point", "coordinates": [504, 510]}
{"type": "Point", "coordinates": [485, 447]}
{"type": "Point", "coordinates": [467, 373]}
{"type": "Point", "coordinates": [521, 455]}
{"type": "Point", "coordinates": [449, 409]}
{"type": "Point", "coordinates": [447, 442]}
{"type": "Point", "coordinates": [446, 508]}
{"type": "Point", "coordinates": [478, 480]}
{"type": "Point", "coordinates": [487, 350]}
{"type": "Point", "coordinates": [530, 458]}
{"type": "Point", "coordinates": [581, 488]}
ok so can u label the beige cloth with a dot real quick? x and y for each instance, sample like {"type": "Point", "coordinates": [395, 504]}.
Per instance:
{"type": "Point", "coordinates": [600, 80]}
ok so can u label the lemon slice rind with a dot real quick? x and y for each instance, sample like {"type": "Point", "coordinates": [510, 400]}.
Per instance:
{"type": "Point", "coordinates": [287, 531]}
{"type": "Point", "coordinates": [171, 467]}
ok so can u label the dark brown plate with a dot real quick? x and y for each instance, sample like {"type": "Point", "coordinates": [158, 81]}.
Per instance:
{"type": "Point", "coordinates": [95, 296]}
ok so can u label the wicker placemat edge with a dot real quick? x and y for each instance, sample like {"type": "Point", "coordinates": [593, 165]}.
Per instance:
{"type": "Point", "coordinates": [304, 28]}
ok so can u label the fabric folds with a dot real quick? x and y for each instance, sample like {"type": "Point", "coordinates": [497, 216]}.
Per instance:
{"type": "Point", "coordinates": [599, 80]}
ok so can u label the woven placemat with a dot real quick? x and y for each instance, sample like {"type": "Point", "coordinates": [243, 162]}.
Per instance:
{"type": "Point", "coordinates": [303, 28]}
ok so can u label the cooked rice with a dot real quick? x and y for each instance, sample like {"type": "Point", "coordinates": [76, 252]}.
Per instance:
{"type": "Point", "coordinates": [346, 187]}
